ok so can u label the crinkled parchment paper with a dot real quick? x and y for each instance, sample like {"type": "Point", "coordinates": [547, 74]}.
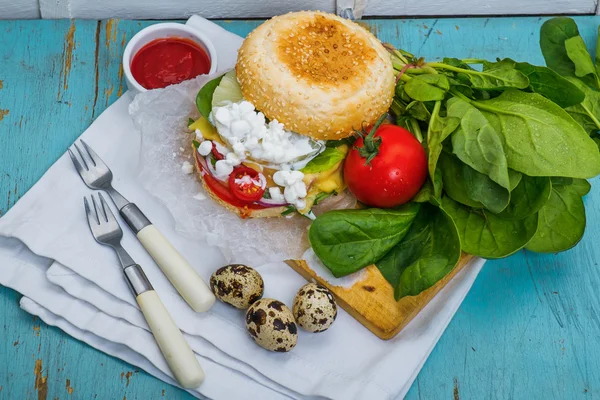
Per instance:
{"type": "Point", "coordinates": [161, 116]}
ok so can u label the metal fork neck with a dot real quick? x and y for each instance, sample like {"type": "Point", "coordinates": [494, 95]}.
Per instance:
{"type": "Point", "coordinates": [119, 200]}
{"type": "Point", "coordinates": [124, 257]}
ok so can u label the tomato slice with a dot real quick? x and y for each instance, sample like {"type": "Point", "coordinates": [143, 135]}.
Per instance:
{"type": "Point", "coordinates": [222, 191]}
{"type": "Point", "coordinates": [216, 153]}
{"type": "Point", "coordinates": [247, 184]}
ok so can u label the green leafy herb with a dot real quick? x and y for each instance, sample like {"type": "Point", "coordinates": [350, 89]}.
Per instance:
{"type": "Point", "coordinates": [496, 76]}
{"type": "Point", "coordinates": [204, 97]}
{"type": "Point", "coordinates": [289, 210]}
{"type": "Point", "coordinates": [551, 85]}
{"type": "Point", "coordinates": [477, 143]}
{"type": "Point", "coordinates": [482, 189]}
{"type": "Point", "coordinates": [431, 191]}
{"type": "Point", "coordinates": [190, 122]}
{"type": "Point", "coordinates": [427, 87]}
{"type": "Point", "coordinates": [528, 197]}
{"type": "Point", "coordinates": [195, 143]}
{"type": "Point", "coordinates": [586, 113]}
{"type": "Point", "coordinates": [452, 170]}
{"type": "Point", "coordinates": [553, 35]}
{"type": "Point", "coordinates": [439, 129]}
{"type": "Point", "coordinates": [484, 234]}
{"type": "Point", "coordinates": [561, 222]}
{"type": "Point", "coordinates": [565, 52]}
{"type": "Point", "coordinates": [578, 54]}
{"type": "Point", "coordinates": [581, 186]}
{"type": "Point", "coordinates": [418, 110]}
{"type": "Point", "coordinates": [322, 196]}
{"type": "Point", "coordinates": [428, 252]}
{"type": "Point", "coordinates": [325, 161]}
{"type": "Point", "coordinates": [349, 240]}
{"type": "Point", "coordinates": [532, 128]}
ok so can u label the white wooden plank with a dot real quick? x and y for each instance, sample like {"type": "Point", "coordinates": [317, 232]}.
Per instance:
{"type": "Point", "coordinates": [175, 9]}
{"type": "Point", "coordinates": [54, 9]}
{"type": "Point", "coordinates": [478, 7]}
{"type": "Point", "coordinates": [160, 9]}
{"type": "Point", "coordinates": [22, 9]}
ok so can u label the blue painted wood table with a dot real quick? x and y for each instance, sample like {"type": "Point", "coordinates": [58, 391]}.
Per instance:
{"type": "Point", "coordinates": [529, 328]}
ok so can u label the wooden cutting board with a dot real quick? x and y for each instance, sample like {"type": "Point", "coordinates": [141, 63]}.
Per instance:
{"type": "Point", "coordinates": [371, 300]}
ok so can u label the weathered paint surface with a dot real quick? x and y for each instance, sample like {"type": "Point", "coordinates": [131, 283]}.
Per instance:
{"type": "Point", "coordinates": [529, 328]}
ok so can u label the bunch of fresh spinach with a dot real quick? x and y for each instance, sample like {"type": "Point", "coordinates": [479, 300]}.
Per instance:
{"type": "Point", "coordinates": [510, 146]}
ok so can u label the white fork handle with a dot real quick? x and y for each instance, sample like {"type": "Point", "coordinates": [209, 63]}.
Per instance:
{"type": "Point", "coordinates": [180, 357]}
{"type": "Point", "coordinates": [184, 278]}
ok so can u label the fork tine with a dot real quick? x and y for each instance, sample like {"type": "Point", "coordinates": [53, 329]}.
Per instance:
{"type": "Point", "coordinates": [93, 156]}
{"type": "Point", "coordinates": [76, 162]}
{"type": "Point", "coordinates": [92, 218]}
{"type": "Point", "coordinates": [108, 215]}
{"type": "Point", "coordinates": [96, 207]}
{"type": "Point", "coordinates": [82, 157]}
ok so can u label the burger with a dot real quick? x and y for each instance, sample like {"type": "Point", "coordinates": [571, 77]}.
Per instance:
{"type": "Point", "coordinates": [276, 132]}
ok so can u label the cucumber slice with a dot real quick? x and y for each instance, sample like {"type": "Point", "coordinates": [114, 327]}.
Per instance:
{"type": "Point", "coordinates": [228, 91]}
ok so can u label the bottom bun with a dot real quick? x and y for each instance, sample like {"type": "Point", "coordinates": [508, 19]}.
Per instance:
{"type": "Point", "coordinates": [243, 212]}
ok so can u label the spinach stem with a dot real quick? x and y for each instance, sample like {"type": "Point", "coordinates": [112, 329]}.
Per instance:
{"type": "Point", "coordinates": [416, 129]}
{"type": "Point", "coordinates": [592, 116]}
{"type": "Point", "coordinates": [473, 60]}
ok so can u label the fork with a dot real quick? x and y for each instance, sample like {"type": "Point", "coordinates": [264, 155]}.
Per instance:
{"type": "Point", "coordinates": [96, 175]}
{"type": "Point", "coordinates": [175, 349]}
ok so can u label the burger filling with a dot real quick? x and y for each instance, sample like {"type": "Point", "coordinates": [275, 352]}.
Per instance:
{"type": "Point", "coordinates": [292, 170]}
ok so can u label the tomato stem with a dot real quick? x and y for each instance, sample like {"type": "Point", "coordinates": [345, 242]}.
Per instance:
{"type": "Point", "coordinates": [371, 143]}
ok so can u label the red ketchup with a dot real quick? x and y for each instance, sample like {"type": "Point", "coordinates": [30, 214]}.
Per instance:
{"type": "Point", "coordinates": [168, 61]}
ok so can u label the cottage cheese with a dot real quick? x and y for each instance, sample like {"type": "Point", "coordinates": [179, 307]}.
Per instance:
{"type": "Point", "coordinates": [294, 188]}
{"type": "Point", "coordinates": [250, 136]}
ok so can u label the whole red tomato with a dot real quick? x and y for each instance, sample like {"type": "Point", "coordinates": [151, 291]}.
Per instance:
{"type": "Point", "coordinates": [394, 174]}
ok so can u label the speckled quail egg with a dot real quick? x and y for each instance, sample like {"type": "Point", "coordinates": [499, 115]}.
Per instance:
{"type": "Point", "coordinates": [271, 325]}
{"type": "Point", "coordinates": [237, 285]}
{"type": "Point", "coordinates": [314, 308]}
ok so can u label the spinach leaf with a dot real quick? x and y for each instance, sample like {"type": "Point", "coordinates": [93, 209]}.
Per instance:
{"type": "Point", "coordinates": [418, 110]}
{"type": "Point", "coordinates": [586, 113]}
{"type": "Point", "coordinates": [562, 48]}
{"type": "Point", "coordinates": [428, 252]}
{"type": "Point", "coordinates": [348, 240]}
{"type": "Point", "coordinates": [514, 178]}
{"type": "Point", "coordinates": [484, 234]}
{"type": "Point", "coordinates": [454, 182]}
{"type": "Point", "coordinates": [577, 52]}
{"type": "Point", "coordinates": [325, 160]}
{"type": "Point", "coordinates": [527, 198]}
{"type": "Point", "coordinates": [553, 35]}
{"type": "Point", "coordinates": [429, 87]}
{"type": "Point", "coordinates": [539, 137]}
{"type": "Point", "coordinates": [561, 221]}
{"type": "Point", "coordinates": [485, 191]}
{"type": "Point", "coordinates": [204, 97]}
{"type": "Point", "coordinates": [431, 191]}
{"type": "Point", "coordinates": [598, 51]}
{"type": "Point", "coordinates": [551, 85]}
{"type": "Point", "coordinates": [495, 76]}
{"type": "Point", "coordinates": [477, 144]}
{"type": "Point", "coordinates": [439, 129]}
{"type": "Point", "coordinates": [581, 186]}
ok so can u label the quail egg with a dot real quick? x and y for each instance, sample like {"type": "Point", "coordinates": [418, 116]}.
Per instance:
{"type": "Point", "coordinates": [237, 285]}
{"type": "Point", "coordinates": [314, 308]}
{"type": "Point", "coordinates": [271, 325]}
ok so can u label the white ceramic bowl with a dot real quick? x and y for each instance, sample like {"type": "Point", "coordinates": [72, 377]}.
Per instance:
{"type": "Point", "coordinates": [160, 31]}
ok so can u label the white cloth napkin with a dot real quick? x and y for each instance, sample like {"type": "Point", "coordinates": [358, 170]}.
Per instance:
{"type": "Point", "coordinates": [48, 254]}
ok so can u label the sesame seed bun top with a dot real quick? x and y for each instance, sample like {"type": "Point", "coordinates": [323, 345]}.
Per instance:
{"type": "Point", "coordinates": [318, 74]}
